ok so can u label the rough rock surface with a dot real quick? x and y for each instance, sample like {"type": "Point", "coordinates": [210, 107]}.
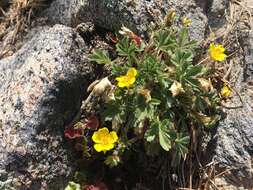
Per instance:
{"type": "Point", "coordinates": [136, 15]}
{"type": "Point", "coordinates": [41, 89]}
{"type": "Point", "coordinates": [216, 13]}
{"type": "Point", "coordinates": [68, 12]}
{"type": "Point", "coordinates": [232, 143]}
{"type": "Point", "coordinates": [195, 10]}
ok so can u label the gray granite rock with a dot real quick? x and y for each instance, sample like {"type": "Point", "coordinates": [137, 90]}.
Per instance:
{"type": "Point", "coordinates": [232, 144]}
{"type": "Point", "coordinates": [195, 10]}
{"type": "Point", "coordinates": [68, 12]}
{"type": "Point", "coordinates": [41, 88]}
{"type": "Point", "coordinates": [216, 11]}
{"type": "Point", "coordinates": [137, 15]}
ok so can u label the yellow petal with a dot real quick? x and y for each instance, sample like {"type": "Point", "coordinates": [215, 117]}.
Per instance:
{"type": "Point", "coordinates": [220, 48]}
{"type": "Point", "coordinates": [131, 81]}
{"type": "Point", "coordinates": [226, 92]}
{"type": "Point", "coordinates": [220, 57]}
{"type": "Point", "coordinates": [96, 137]}
{"type": "Point", "coordinates": [122, 84]}
{"type": "Point", "coordinates": [98, 147]}
{"type": "Point", "coordinates": [121, 78]}
{"type": "Point", "coordinates": [132, 72]}
{"type": "Point", "coordinates": [125, 81]}
{"type": "Point", "coordinates": [108, 146]}
{"type": "Point", "coordinates": [103, 147]}
{"type": "Point", "coordinates": [169, 17]}
{"type": "Point", "coordinates": [217, 52]}
{"type": "Point", "coordinates": [113, 137]}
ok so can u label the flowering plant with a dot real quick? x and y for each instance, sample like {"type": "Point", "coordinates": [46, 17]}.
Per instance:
{"type": "Point", "coordinates": [155, 95]}
{"type": "Point", "coordinates": [160, 95]}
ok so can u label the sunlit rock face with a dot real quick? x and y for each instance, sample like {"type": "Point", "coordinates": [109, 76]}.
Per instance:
{"type": "Point", "coordinates": [41, 88]}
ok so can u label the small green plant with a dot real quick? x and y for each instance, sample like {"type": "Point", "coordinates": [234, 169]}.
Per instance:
{"type": "Point", "coordinates": [156, 100]}
{"type": "Point", "coordinates": [160, 96]}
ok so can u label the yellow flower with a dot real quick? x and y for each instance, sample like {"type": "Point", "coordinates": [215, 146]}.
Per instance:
{"type": "Point", "coordinates": [226, 91]}
{"type": "Point", "coordinates": [128, 79]}
{"type": "Point", "coordinates": [217, 52]}
{"type": "Point", "coordinates": [186, 21]}
{"type": "Point", "coordinates": [104, 140]}
{"type": "Point", "coordinates": [176, 88]}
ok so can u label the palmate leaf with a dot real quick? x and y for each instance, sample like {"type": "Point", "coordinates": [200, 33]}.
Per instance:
{"type": "Point", "coordinates": [165, 40]}
{"type": "Point", "coordinates": [181, 143]}
{"type": "Point", "coordinates": [184, 42]}
{"type": "Point", "coordinates": [100, 56]}
{"type": "Point", "coordinates": [113, 110]}
{"type": "Point", "coordinates": [180, 147]}
{"type": "Point", "coordinates": [164, 136]}
{"type": "Point", "coordinates": [180, 57]}
{"type": "Point", "coordinates": [125, 47]}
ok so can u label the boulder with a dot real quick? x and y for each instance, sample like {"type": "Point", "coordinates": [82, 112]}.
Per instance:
{"type": "Point", "coordinates": [41, 88]}
{"type": "Point", "coordinates": [216, 11]}
{"type": "Point", "coordinates": [195, 10]}
{"type": "Point", "coordinates": [137, 15]}
{"type": "Point", "coordinates": [68, 12]}
{"type": "Point", "coordinates": [232, 144]}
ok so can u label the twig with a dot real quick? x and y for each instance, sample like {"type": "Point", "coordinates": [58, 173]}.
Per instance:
{"type": "Point", "coordinates": [203, 60]}
{"type": "Point", "coordinates": [229, 70]}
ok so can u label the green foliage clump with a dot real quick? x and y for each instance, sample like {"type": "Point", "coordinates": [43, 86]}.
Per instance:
{"type": "Point", "coordinates": [167, 99]}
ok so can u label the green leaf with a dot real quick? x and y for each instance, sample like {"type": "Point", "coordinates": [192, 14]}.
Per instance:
{"type": "Point", "coordinates": [154, 102]}
{"type": "Point", "coordinates": [113, 110]}
{"type": "Point", "coordinates": [165, 40]}
{"type": "Point", "coordinates": [183, 37]}
{"type": "Point", "coordinates": [118, 69]}
{"type": "Point", "coordinates": [190, 44]}
{"type": "Point", "coordinates": [164, 136]}
{"type": "Point", "coordinates": [193, 82]}
{"type": "Point", "coordinates": [152, 132]}
{"type": "Point", "coordinates": [195, 71]}
{"type": "Point", "coordinates": [125, 48]}
{"type": "Point", "coordinates": [181, 144]}
{"type": "Point", "coordinates": [100, 56]}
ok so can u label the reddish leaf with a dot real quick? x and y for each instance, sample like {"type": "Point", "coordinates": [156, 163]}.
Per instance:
{"type": "Point", "coordinates": [137, 40]}
{"type": "Point", "coordinates": [73, 133]}
{"type": "Point", "coordinates": [92, 122]}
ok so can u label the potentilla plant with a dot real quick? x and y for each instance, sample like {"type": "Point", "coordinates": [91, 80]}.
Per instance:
{"type": "Point", "coordinates": [155, 94]}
